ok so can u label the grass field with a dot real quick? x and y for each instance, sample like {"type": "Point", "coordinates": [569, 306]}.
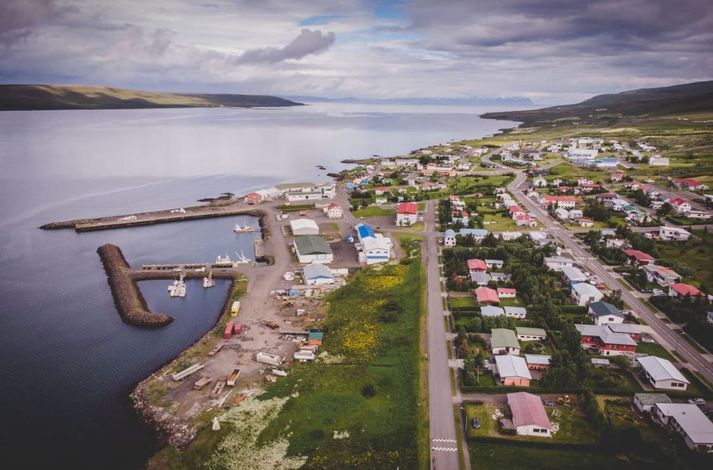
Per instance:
{"type": "Point", "coordinates": [468, 301]}
{"type": "Point", "coordinates": [654, 349]}
{"type": "Point", "coordinates": [691, 259]}
{"type": "Point", "coordinates": [373, 393]}
{"type": "Point", "coordinates": [374, 211]}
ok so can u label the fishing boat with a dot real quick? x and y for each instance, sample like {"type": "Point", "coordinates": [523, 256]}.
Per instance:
{"type": "Point", "coordinates": [233, 378]}
{"type": "Point", "coordinates": [208, 281]}
{"type": "Point", "coordinates": [223, 261]}
{"type": "Point", "coordinates": [177, 288]}
{"type": "Point", "coordinates": [243, 228]}
{"type": "Point", "coordinates": [242, 259]}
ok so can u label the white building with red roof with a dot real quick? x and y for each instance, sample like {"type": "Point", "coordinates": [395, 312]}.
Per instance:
{"type": "Point", "coordinates": [529, 417]}
{"type": "Point", "coordinates": [681, 290]}
{"type": "Point", "coordinates": [334, 211]}
{"type": "Point", "coordinates": [486, 295]}
{"type": "Point", "coordinates": [680, 205]}
{"type": "Point", "coordinates": [475, 265]}
{"type": "Point", "coordinates": [406, 214]}
{"type": "Point", "coordinates": [639, 258]}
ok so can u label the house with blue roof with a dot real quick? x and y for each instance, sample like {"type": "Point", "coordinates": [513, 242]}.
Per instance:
{"type": "Point", "coordinates": [449, 238]}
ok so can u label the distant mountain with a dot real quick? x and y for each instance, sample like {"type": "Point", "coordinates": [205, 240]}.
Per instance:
{"type": "Point", "coordinates": [474, 101]}
{"type": "Point", "coordinates": [687, 98]}
{"type": "Point", "coordinates": [49, 97]}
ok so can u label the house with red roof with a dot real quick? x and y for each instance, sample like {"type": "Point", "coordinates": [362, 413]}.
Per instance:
{"type": "Point", "coordinates": [475, 265]}
{"type": "Point", "coordinates": [486, 295]}
{"type": "Point", "coordinates": [680, 289]}
{"type": "Point", "coordinates": [515, 210]}
{"type": "Point", "coordinates": [253, 198]}
{"type": "Point", "coordinates": [606, 340]}
{"type": "Point", "coordinates": [507, 292]}
{"type": "Point", "coordinates": [529, 417]}
{"type": "Point", "coordinates": [680, 205]}
{"type": "Point", "coordinates": [566, 202]}
{"type": "Point", "coordinates": [639, 258]}
{"type": "Point", "coordinates": [616, 176]}
{"type": "Point", "coordinates": [381, 190]}
{"type": "Point", "coordinates": [525, 220]}
{"type": "Point", "coordinates": [690, 184]}
{"type": "Point", "coordinates": [406, 214]}
{"type": "Point", "coordinates": [334, 211]}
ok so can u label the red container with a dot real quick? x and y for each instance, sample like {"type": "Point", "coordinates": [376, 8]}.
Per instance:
{"type": "Point", "coordinates": [228, 330]}
{"type": "Point", "coordinates": [237, 329]}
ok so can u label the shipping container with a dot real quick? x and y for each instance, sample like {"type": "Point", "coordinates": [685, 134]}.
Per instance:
{"type": "Point", "coordinates": [268, 358]}
{"type": "Point", "coordinates": [228, 330]}
{"type": "Point", "coordinates": [237, 329]}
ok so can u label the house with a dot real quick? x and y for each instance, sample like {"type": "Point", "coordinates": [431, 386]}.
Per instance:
{"type": "Point", "coordinates": [516, 312]}
{"type": "Point", "coordinates": [644, 402]}
{"type": "Point", "coordinates": [567, 202]}
{"type": "Point", "coordinates": [699, 215]}
{"type": "Point", "coordinates": [538, 361]}
{"type": "Point", "coordinates": [253, 198]}
{"type": "Point", "coordinates": [316, 274]}
{"type": "Point", "coordinates": [603, 339]}
{"type": "Point", "coordinates": [515, 210]}
{"type": "Point", "coordinates": [381, 200]}
{"type": "Point", "coordinates": [573, 275]}
{"type": "Point", "coordinates": [673, 234]}
{"type": "Point", "coordinates": [539, 182]}
{"type": "Point", "coordinates": [525, 220]}
{"type": "Point", "coordinates": [494, 263]}
{"type": "Point", "coordinates": [500, 277]}
{"type": "Point", "coordinates": [616, 176]}
{"type": "Point", "coordinates": [529, 417]}
{"type": "Point", "coordinates": [312, 249]}
{"type": "Point", "coordinates": [304, 227]}
{"type": "Point", "coordinates": [658, 161]}
{"type": "Point", "coordinates": [556, 263]}
{"type": "Point", "coordinates": [478, 234]}
{"type": "Point", "coordinates": [603, 313]}
{"type": "Point", "coordinates": [689, 421]}
{"type": "Point", "coordinates": [661, 373]}
{"type": "Point", "coordinates": [334, 211]}
{"type": "Point", "coordinates": [506, 292]}
{"type": "Point", "coordinates": [475, 264]}
{"type": "Point", "coordinates": [406, 214]}
{"type": "Point", "coordinates": [631, 329]}
{"type": "Point", "coordinates": [689, 184]}
{"type": "Point", "coordinates": [486, 295]}
{"type": "Point", "coordinates": [575, 214]}
{"type": "Point", "coordinates": [376, 249]}
{"type": "Point", "coordinates": [616, 243]}
{"type": "Point", "coordinates": [480, 278]}
{"type": "Point", "coordinates": [661, 275]}
{"type": "Point", "coordinates": [491, 311]}
{"type": "Point", "coordinates": [541, 238]}
{"type": "Point", "coordinates": [381, 190]}
{"type": "Point", "coordinates": [530, 334]}
{"type": "Point", "coordinates": [561, 213]}
{"type": "Point", "coordinates": [508, 236]}
{"type": "Point", "coordinates": [680, 205]}
{"type": "Point", "coordinates": [584, 222]}
{"type": "Point", "coordinates": [512, 370]}
{"type": "Point", "coordinates": [449, 238]}
{"type": "Point", "coordinates": [682, 290]}
{"type": "Point", "coordinates": [639, 258]}
{"type": "Point", "coordinates": [504, 341]}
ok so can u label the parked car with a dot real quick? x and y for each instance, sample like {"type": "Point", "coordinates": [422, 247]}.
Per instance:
{"type": "Point", "coordinates": [476, 422]}
{"type": "Point", "coordinates": [696, 401]}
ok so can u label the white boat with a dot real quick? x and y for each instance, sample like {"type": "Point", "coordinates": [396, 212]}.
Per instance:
{"type": "Point", "coordinates": [242, 259]}
{"type": "Point", "coordinates": [224, 260]}
{"type": "Point", "coordinates": [208, 281]}
{"type": "Point", "coordinates": [177, 288]}
{"type": "Point", "coordinates": [243, 228]}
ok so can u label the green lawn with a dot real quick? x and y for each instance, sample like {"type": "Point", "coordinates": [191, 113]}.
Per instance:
{"type": "Point", "coordinates": [691, 259]}
{"type": "Point", "coordinates": [374, 211]}
{"type": "Point", "coordinates": [468, 301]}
{"type": "Point", "coordinates": [501, 222]}
{"type": "Point", "coordinates": [654, 349]}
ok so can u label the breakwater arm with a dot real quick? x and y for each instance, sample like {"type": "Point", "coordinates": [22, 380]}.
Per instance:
{"type": "Point", "coordinates": [127, 296]}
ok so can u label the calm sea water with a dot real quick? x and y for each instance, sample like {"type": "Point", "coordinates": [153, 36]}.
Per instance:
{"type": "Point", "coordinates": [67, 361]}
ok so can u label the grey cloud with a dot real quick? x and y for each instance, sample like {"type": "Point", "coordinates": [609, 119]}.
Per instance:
{"type": "Point", "coordinates": [308, 42]}
{"type": "Point", "coordinates": [18, 18]}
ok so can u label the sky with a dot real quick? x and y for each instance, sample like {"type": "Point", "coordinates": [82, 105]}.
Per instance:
{"type": "Point", "coordinates": [551, 51]}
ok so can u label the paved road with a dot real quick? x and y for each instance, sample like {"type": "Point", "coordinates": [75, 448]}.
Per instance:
{"type": "Point", "coordinates": [662, 331]}
{"type": "Point", "coordinates": [444, 447]}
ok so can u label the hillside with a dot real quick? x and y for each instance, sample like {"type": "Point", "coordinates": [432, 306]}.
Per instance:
{"type": "Point", "coordinates": [53, 97]}
{"type": "Point", "coordinates": [687, 98]}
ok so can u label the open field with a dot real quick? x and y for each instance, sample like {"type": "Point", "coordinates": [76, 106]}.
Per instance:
{"type": "Point", "coordinates": [374, 211]}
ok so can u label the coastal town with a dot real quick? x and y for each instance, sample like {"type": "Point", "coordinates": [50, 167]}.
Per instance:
{"type": "Point", "coordinates": [563, 299]}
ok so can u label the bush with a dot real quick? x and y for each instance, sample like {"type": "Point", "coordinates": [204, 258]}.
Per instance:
{"type": "Point", "coordinates": [368, 390]}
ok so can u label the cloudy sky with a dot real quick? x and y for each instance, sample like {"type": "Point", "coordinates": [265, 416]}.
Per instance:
{"type": "Point", "coordinates": [547, 50]}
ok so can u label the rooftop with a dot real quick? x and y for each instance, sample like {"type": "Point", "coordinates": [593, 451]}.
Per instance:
{"type": "Point", "coordinates": [316, 271]}
{"type": "Point", "coordinates": [538, 359]}
{"type": "Point", "coordinates": [694, 423]}
{"type": "Point", "coordinates": [651, 399]}
{"type": "Point", "coordinates": [502, 337]}
{"type": "Point", "coordinates": [528, 331]}
{"type": "Point", "coordinates": [527, 409]}
{"type": "Point", "coordinates": [407, 208]}
{"type": "Point", "coordinates": [312, 245]}
{"type": "Point", "coordinates": [661, 369]}
{"type": "Point", "coordinates": [512, 366]}
{"type": "Point", "coordinates": [603, 309]}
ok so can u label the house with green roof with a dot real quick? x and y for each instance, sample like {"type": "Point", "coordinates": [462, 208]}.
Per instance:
{"type": "Point", "coordinates": [312, 249]}
{"type": "Point", "coordinates": [504, 341]}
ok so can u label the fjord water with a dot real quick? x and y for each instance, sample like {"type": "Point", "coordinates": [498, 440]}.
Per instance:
{"type": "Point", "coordinates": [67, 361]}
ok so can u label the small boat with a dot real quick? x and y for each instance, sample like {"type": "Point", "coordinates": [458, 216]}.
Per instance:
{"type": "Point", "coordinates": [209, 281]}
{"type": "Point", "coordinates": [233, 378]}
{"type": "Point", "coordinates": [243, 228]}
{"type": "Point", "coordinates": [202, 382]}
{"type": "Point", "coordinates": [242, 259]}
{"type": "Point", "coordinates": [218, 388]}
{"type": "Point", "coordinates": [224, 260]}
{"type": "Point", "coordinates": [215, 350]}
{"type": "Point", "coordinates": [177, 288]}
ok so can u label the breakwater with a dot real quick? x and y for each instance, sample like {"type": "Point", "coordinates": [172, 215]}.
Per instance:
{"type": "Point", "coordinates": [127, 296]}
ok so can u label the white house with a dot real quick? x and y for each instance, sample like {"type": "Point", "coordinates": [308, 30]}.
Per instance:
{"type": "Point", "coordinates": [449, 238]}
{"type": "Point", "coordinates": [491, 311]}
{"type": "Point", "coordinates": [645, 402]}
{"type": "Point", "coordinates": [556, 263]}
{"type": "Point", "coordinates": [528, 415]}
{"type": "Point", "coordinates": [539, 182]}
{"type": "Point", "coordinates": [494, 263]}
{"type": "Point", "coordinates": [573, 275]}
{"type": "Point", "coordinates": [516, 312]}
{"type": "Point", "coordinates": [406, 214]}
{"type": "Point", "coordinates": [562, 213]}
{"type": "Point", "coordinates": [673, 234]}
{"type": "Point", "coordinates": [376, 249]}
{"type": "Point", "coordinates": [584, 293]}
{"type": "Point", "coordinates": [512, 370]}
{"type": "Point", "coordinates": [689, 421]}
{"type": "Point", "coordinates": [316, 274]}
{"type": "Point", "coordinates": [603, 313]}
{"type": "Point", "coordinates": [662, 374]}
{"type": "Point", "coordinates": [304, 227]}
{"type": "Point", "coordinates": [530, 334]}
{"type": "Point", "coordinates": [504, 341]}
{"type": "Point", "coordinates": [658, 161]}
{"type": "Point", "coordinates": [334, 211]}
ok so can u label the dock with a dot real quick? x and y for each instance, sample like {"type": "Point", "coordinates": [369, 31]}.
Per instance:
{"type": "Point", "coordinates": [154, 217]}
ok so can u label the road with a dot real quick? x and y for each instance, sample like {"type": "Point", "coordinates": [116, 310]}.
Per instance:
{"type": "Point", "coordinates": [662, 331]}
{"type": "Point", "coordinates": [444, 445]}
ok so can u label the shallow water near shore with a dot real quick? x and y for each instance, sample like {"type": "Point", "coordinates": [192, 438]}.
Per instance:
{"type": "Point", "coordinates": [67, 361]}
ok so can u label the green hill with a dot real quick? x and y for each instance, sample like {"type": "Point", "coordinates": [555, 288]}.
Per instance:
{"type": "Point", "coordinates": [687, 98]}
{"type": "Point", "coordinates": [48, 97]}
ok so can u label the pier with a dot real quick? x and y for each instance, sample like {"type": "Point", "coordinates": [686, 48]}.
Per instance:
{"type": "Point", "coordinates": [154, 217]}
